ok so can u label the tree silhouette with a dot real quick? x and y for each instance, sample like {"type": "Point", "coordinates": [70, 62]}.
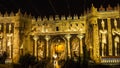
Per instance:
{"type": "Point", "coordinates": [3, 57]}
{"type": "Point", "coordinates": [27, 60]}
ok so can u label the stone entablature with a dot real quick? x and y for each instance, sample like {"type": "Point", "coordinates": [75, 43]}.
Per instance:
{"type": "Point", "coordinates": [59, 26]}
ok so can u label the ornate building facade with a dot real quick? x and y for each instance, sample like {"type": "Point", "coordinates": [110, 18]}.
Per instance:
{"type": "Point", "coordinates": [98, 31]}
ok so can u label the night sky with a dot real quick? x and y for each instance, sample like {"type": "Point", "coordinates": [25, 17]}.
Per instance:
{"type": "Point", "coordinates": [52, 7]}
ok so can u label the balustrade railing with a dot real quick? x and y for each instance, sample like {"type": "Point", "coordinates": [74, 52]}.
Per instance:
{"type": "Point", "coordinates": [110, 60]}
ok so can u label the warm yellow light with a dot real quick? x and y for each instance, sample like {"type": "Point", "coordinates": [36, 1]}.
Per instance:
{"type": "Point", "coordinates": [59, 48]}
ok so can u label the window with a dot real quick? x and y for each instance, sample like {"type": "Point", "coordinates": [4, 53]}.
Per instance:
{"type": "Point", "coordinates": [57, 28]}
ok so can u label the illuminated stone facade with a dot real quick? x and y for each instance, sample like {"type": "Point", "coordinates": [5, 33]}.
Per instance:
{"type": "Point", "coordinates": [97, 30]}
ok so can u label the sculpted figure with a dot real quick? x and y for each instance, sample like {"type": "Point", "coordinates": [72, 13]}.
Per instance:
{"type": "Point", "coordinates": [116, 34]}
{"type": "Point", "coordinates": [40, 49]}
{"type": "Point", "coordinates": [103, 36]}
{"type": "Point", "coordinates": [75, 49]}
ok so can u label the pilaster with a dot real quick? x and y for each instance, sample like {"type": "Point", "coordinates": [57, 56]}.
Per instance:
{"type": "Point", "coordinates": [109, 37]}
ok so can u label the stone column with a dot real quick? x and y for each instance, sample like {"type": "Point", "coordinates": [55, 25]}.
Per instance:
{"type": "Point", "coordinates": [9, 44]}
{"type": "Point", "coordinates": [4, 39]}
{"type": "Point", "coordinates": [80, 36]}
{"type": "Point", "coordinates": [68, 36]}
{"type": "Point", "coordinates": [35, 44]}
{"type": "Point", "coordinates": [109, 37]}
{"type": "Point", "coordinates": [47, 38]}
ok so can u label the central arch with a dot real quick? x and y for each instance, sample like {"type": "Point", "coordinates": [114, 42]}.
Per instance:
{"type": "Point", "coordinates": [58, 47]}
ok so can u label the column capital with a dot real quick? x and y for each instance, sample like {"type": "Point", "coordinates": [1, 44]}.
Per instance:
{"type": "Point", "coordinates": [9, 35]}
{"type": "Point", "coordinates": [35, 37]}
{"type": "Point", "coordinates": [47, 37]}
{"type": "Point", "coordinates": [80, 36]}
{"type": "Point", "coordinates": [68, 36]}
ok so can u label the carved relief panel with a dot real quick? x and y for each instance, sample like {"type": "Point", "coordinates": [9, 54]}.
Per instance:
{"type": "Point", "coordinates": [41, 48]}
{"type": "Point", "coordinates": [75, 49]}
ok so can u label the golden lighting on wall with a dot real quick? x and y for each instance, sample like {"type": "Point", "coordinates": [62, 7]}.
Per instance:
{"type": "Point", "coordinates": [59, 48]}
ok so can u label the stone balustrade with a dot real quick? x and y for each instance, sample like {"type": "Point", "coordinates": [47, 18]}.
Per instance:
{"type": "Point", "coordinates": [110, 60]}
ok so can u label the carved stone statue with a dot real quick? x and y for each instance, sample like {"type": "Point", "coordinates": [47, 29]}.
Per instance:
{"type": "Point", "coordinates": [40, 49]}
{"type": "Point", "coordinates": [75, 48]}
{"type": "Point", "coordinates": [55, 61]}
{"type": "Point", "coordinates": [116, 33]}
{"type": "Point", "coordinates": [103, 36]}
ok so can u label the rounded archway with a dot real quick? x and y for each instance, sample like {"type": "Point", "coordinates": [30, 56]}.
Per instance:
{"type": "Point", "coordinates": [58, 47]}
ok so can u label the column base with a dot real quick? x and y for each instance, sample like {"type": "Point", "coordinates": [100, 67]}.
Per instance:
{"type": "Point", "coordinates": [8, 61]}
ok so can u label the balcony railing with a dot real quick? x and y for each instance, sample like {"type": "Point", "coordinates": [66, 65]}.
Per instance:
{"type": "Point", "coordinates": [110, 60]}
